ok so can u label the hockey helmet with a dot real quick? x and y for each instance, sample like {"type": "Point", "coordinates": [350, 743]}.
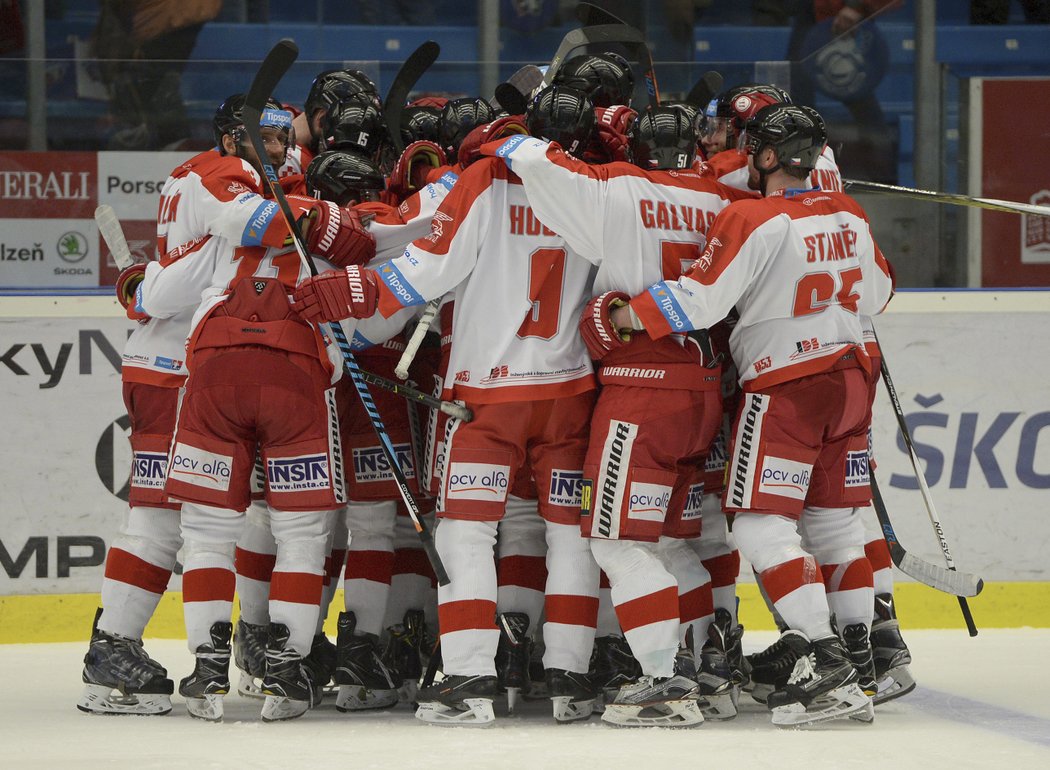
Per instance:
{"type": "Point", "coordinates": [732, 109]}
{"type": "Point", "coordinates": [419, 123]}
{"type": "Point", "coordinates": [606, 77]}
{"type": "Point", "coordinates": [663, 138]}
{"type": "Point", "coordinates": [229, 119]}
{"type": "Point", "coordinates": [458, 118]}
{"type": "Point", "coordinates": [334, 86]}
{"type": "Point", "coordinates": [343, 177]}
{"type": "Point", "coordinates": [353, 126]}
{"type": "Point", "coordinates": [795, 132]}
{"type": "Point", "coordinates": [562, 114]}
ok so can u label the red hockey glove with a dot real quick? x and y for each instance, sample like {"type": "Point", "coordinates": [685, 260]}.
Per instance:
{"type": "Point", "coordinates": [128, 282]}
{"type": "Point", "coordinates": [337, 294]}
{"type": "Point", "coordinates": [618, 118]}
{"type": "Point", "coordinates": [338, 235]}
{"type": "Point", "coordinates": [411, 170]}
{"type": "Point", "coordinates": [597, 329]}
{"type": "Point", "coordinates": [613, 123]}
{"type": "Point", "coordinates": [501, 128]}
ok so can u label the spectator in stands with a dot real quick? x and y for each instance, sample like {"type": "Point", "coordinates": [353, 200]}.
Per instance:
{"type": "Point", "coordinates": [998, 11]}
{"type": "Point", "coordinates": [144, 45]}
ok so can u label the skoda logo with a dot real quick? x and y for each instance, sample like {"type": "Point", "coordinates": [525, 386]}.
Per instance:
{"type": "Point", "coordinates": [72, 246]}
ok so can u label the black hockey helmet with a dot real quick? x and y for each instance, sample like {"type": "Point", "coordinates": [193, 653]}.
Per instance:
{"type": "Point", "coordinates": [458, 118]}
{"type": "Point", "coordinates": [735, 106]}
{"type": "Point", "coordinates": [229, 119]}
{"type": "Point", "coordinates": [353, 126]}
{"type": "Point", "coordinates": [796, 133]}
{"type": "Point", "coordinates": [663, 138]}
{"type": "Point", "coordinates": [562, 114]}
{"type": "Point", "coordinates": [691, 111]}
{"type": "Point", "coordinates": [343, 177]}
{"type": "Point", "coordinates": [606, 77]}
{"type": "Point", "coordinates": [334, 86]}
{"type": "Point", "coordinates": [419, 123]}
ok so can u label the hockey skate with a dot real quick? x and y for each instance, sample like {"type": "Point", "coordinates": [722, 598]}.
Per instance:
{"type": "Point", "coordinates": [572, 694]}
{"type": "Point", "coordinates": [612, 666]}
{"type": "Point", "coordinates": [120, 678]}
{"type": "Point", "coordinates": [770, 669]}
{"type": "Point", "coordinates": [458, 701]}
{"type": "Point", "coordinates": [651, 702]}
{"type": "Point", "coordinates": [512, 656]}
{"type": "Point", "coordinates": [717, 692]}
{"type": "Point", "coordinates": [823, 685]}
{"type": "Point", "coordinates": [249, 655]}
{"type": "Point", "coordinates": [210, 681]}
{"type": "Point", "coordinates": [364, 682]}
{"type": "Point", "coordinates": [287, 686]}
{"type": "Point", "coordinates": [738, 664]}
{"type": "Point", "coordinates": [401, 654]}
{"type": "Point", "coordinates": [855, 640]}
{"type": "Point", "coordinates": [890, 653]}
{"type": "Point", "coordinates": [320, 665]}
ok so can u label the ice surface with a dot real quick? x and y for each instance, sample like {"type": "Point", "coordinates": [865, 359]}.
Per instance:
{"type": "Point", "coordinates": [980, 703]}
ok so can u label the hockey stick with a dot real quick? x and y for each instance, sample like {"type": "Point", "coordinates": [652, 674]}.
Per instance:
{"type": "Point", "coordinates": [592, 13]}
{"type": "Point", "coordinates": [956, 199]}
{"type": "Point", "coordinates": [273, 68]}
{"type": "Point", "coordinates": [517, 90]}
{"type": "Point", "coordinates": [948, 581]}
{"type": "Point", "coordinates": [411, 71]}
{"type": "Point", "coordinates": [707, 88]}
{"type": "Point", "coordinates": [429, 311]}
{"type": "Point", "coordinates": [113, 234]}
{"type": "Point", "coordinates": [926, 497]}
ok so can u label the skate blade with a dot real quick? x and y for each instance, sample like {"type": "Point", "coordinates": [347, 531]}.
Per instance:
{"type": "Point", "coordinates": [279, 708]}
{"type": "Point", "coordinates": [568, 710]}
{"type": "Point", "coordinates": [513, 695]}
{"type": "Point", "coordinates": [895, 683]}
{"type": "Point", "coordinates": [477, 713]}
{"type": "Point", "coordinates": [720, 706]}
{"type": "Point", "coordinates": [837, 704]}
{"type": "Point", "coordinates": [100, 699]}
{"type": "Point", "coordinates": [249, 686]}
{"type": "Point", "coordinates": [673, 713]}
{"type": "Point", "coordinates": [208, 708]}
{"type": "Point", "coordinates": [352, 697]}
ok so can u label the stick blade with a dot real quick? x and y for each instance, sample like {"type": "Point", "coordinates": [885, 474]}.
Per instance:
{"type": "Point", "coordinates": [277, 62]}
{"type": "Point", "coordinates": [707, 88]}
{"type": "Point", "coordinates": [511, 99]}
{"type": "Point", "coordinates": [949, 581]}
{"type": "Point", "coordinates": [113, 234]}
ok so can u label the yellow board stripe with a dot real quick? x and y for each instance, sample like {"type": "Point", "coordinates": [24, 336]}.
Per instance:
{"type": "Point", "coordinates": [67, 617]}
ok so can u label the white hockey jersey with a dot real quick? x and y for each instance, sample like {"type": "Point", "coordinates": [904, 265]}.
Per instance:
{"type": "Point", "coordinates": [519, 290]}
{"type": "Point", "coordinates": [730, 168]}
{"type": "Point", "coordinates": [800, 266]}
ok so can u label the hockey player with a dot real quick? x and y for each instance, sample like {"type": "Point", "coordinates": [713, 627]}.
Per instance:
{"type": "Point", "coordinates": [652, 222]}
{"type": "Point", "coordinates": [226, 245]}
{"type": "Point", "coordinates": [329, 89]}
{"type": "Point", "coordinates": [801, 268]}
{"type": "Point", "coordinates": [605, 77]}
{"type": "Point", "coordinates": [518, 362]}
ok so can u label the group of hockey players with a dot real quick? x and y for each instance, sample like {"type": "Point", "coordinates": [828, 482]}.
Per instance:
{"type": "Point", "coordinates": [659, 320]}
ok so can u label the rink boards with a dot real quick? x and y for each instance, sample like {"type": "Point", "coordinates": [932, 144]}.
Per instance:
{"type": "Point", "coordinates": [971, 367]}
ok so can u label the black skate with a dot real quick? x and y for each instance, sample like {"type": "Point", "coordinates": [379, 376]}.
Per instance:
{"type": "Point", "coordinates": [289, 691]}
{"type": "Point", "coordinates": [458, 701]}
{"type": "Point", "coordinates": [890, 653]}
{"type": "Point", "coordinates": [512, 655]}
{"type": "Point", "coordinates": [658, 702]}
{"type": "Point", "coordinates": [249, 655]}
{"type": "Point", "coordinates": [855, 640]}
{"type": "Point", "coordinates": [210, 680]}
{"type": "Point", "coordinates": [718, 692]}
{"type": "Point", "coordinates": [822, 686]}
{"type": "Point", "coordinates": [572, 694]}
{"type": "Point", "coordinates": [770, 669]}
{"type": "Point", "coordinates": [320, 665]}
{"type": "Point", "coordinates": [738, 664]}
{"type": "Point", "coordinates": [120, 678]}
{"type": "Point", "coordinates": [364, 682]}
{"type": "Point", "coordinates": [612, 666]}
{"type": "Point", "coordinates": [402, 654]}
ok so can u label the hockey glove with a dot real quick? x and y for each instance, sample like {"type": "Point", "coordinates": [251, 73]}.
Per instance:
{"type": "Point", "coordinates": [411, 170]}
{"type": "Point", "coordinates": [128, 282]}
{"type": "Point", "coordinates": [337, 294]}
{"type": "Point", "coordinates": [470, 147]}
{"type": "Point", "coordinates": [596, 327]}
{"type": "Point", "coordinates": [613, 123]}
{"type": "Point", "coordinates": [338, 235]}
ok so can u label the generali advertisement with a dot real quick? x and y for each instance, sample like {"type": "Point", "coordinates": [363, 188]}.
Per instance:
{"type": "Point", "coordinates": [972, 386]}
{"type": "Point", "coordinates": [1009, 154]}
{"type": "Point", "coordinates": [48, 236]}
